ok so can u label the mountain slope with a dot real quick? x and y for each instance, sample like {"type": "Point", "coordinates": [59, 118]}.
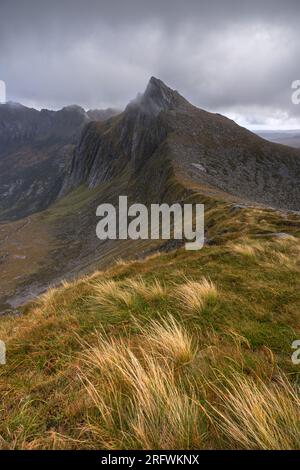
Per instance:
{"type": "Point", "coordinates": [35, 148]}
{"type": "Point", "coordinates": [208, 148]}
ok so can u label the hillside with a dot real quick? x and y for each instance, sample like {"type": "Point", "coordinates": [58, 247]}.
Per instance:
{"type": "Point", "coordinates": [166, 353]}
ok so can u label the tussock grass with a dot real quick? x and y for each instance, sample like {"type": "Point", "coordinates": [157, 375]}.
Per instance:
{"type": "Point", "coordinates": [193, 296]}
{"type": "Point", "coordinates": [117, 298]}
{"type": "Point", "coordinates": [143, 400]}
{"type": "Point", "coordinates": [246, 249]}
{"type": "Point", "coordinates": [284, 252]}
{"type": "Point", "coordinates": [149, 291]}
{"type": "Point", "coordinates": [111, 298]}
{"type": "Point", "coordinates": [48, 299]}
{"type": "Point", "coordinates": [169, 339]}
{"type": "Point", "coordinates": [256, 415]}
{"type": "Point", "coordinates": [140, 401]}
{"type": "Point", "coordinates": [148, 379]}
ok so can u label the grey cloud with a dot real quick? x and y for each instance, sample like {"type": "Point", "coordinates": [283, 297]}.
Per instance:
{"type": "Point", "coordinates": [238, 58]}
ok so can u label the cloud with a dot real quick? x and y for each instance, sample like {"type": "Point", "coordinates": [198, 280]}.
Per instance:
{"type": "Point", "coordinates": [223, 56]}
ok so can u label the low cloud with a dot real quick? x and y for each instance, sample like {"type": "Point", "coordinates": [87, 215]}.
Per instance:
{"type": "Point", "coordinates": [220, 55]}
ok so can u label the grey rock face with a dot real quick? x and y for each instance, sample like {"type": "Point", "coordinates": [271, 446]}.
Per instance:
{"type": "Point", "coordinates": [35, 148]}
{"type": "Point", "coordinates": [107, 148]}
{"type": "Point", "coordinates": [208, 148]}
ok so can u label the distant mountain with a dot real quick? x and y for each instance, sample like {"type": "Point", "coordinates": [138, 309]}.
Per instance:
{"type": "Point", "coordinates": [101, 114]}
{"type": "Point", "coordinates": [290, 138]}
{"type": "Point", "coordinates": [35, 147]}
{"type": "Point", "coordinates": [19, 124]}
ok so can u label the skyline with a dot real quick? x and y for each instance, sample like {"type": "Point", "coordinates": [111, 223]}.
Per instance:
{"type": "Point", "coordinates": [239, 62]}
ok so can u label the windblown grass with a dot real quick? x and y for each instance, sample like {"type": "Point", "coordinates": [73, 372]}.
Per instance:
{"type": "Point", "coordinates": [170, 340]}
{"type": "Point", "coordinates": [110, 298]}
{"type": "Point", "coordinates": [131, 358]}
{"type": "Point", "coordinates": [149, 291]}
{"type": "Point", "coordinates": [143, 400]}
{"type": "Point", "coordinates": [193, 296]}
{"type": "Point", "coordinates": [140, 401]}
{"type": "Point", "coordinates": [246, 249]}
{"type": "Point", "coordinates": [255, 415]}
{"type": "Point", "coordinates": [284, 252]}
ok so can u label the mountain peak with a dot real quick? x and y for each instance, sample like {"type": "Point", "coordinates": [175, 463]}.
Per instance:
{"type": "Point", "coordinates": [158, 97]}
{"type": "Point", "coordinates": [158, 84]}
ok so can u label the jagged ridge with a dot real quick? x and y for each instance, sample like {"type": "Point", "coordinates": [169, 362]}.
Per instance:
{"type": "Point", "coordinates": [208, 148]}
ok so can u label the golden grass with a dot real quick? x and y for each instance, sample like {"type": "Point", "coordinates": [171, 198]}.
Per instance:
{"type": "Point", "coordinates": [283, 252]}
{"type": "Point", "coordinates": [117, 297]}
{"type": "Point", "coordinates": [48, 299]}
{"type": "Point", "coordinates": [256, 415]}
{"type": "Point", "coordinates": [169, 339]}
{"type": "Point", "coordinates": [143, 400]}
{"type": "Point", "coordinates": [193, 296]}
{"type": "Point", "coordinates": [150, 381]}
{"type": "Point", "coordinates": [158, 389]}
{"type": "Point", "coordinates": [149, 291]}
{"type": "Point", "coordinates": [138, 397]}
{"type": "Point", "coordinates": [246, 248]}
{"type": "Point", "coordinates": [111, 297]}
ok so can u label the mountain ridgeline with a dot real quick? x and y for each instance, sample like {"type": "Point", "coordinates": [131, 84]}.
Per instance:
{"type": "Point", "coordinates": [45, 154]}
{"type": "Point", "coordinates": [161, 130]}
{"type": "Point", "coordinates": [35, 149]}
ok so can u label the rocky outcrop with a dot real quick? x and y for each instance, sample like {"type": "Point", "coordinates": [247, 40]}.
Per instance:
{"type": "Point", "coordinates": [106, 149]}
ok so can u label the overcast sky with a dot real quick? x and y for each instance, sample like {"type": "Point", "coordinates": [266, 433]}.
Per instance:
{"type": "Point", "coordinates": [234, 57]}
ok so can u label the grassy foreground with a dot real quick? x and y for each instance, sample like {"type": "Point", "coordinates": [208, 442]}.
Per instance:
{"type": "Point", "coordinates": [183, 350]}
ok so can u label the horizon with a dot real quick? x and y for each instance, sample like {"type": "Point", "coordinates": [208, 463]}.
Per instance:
{"type": "Point", "coordinates": [257, 129]}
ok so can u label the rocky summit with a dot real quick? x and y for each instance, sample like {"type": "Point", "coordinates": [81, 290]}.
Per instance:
{"type": "Point", "coordinates": [161, 128]}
